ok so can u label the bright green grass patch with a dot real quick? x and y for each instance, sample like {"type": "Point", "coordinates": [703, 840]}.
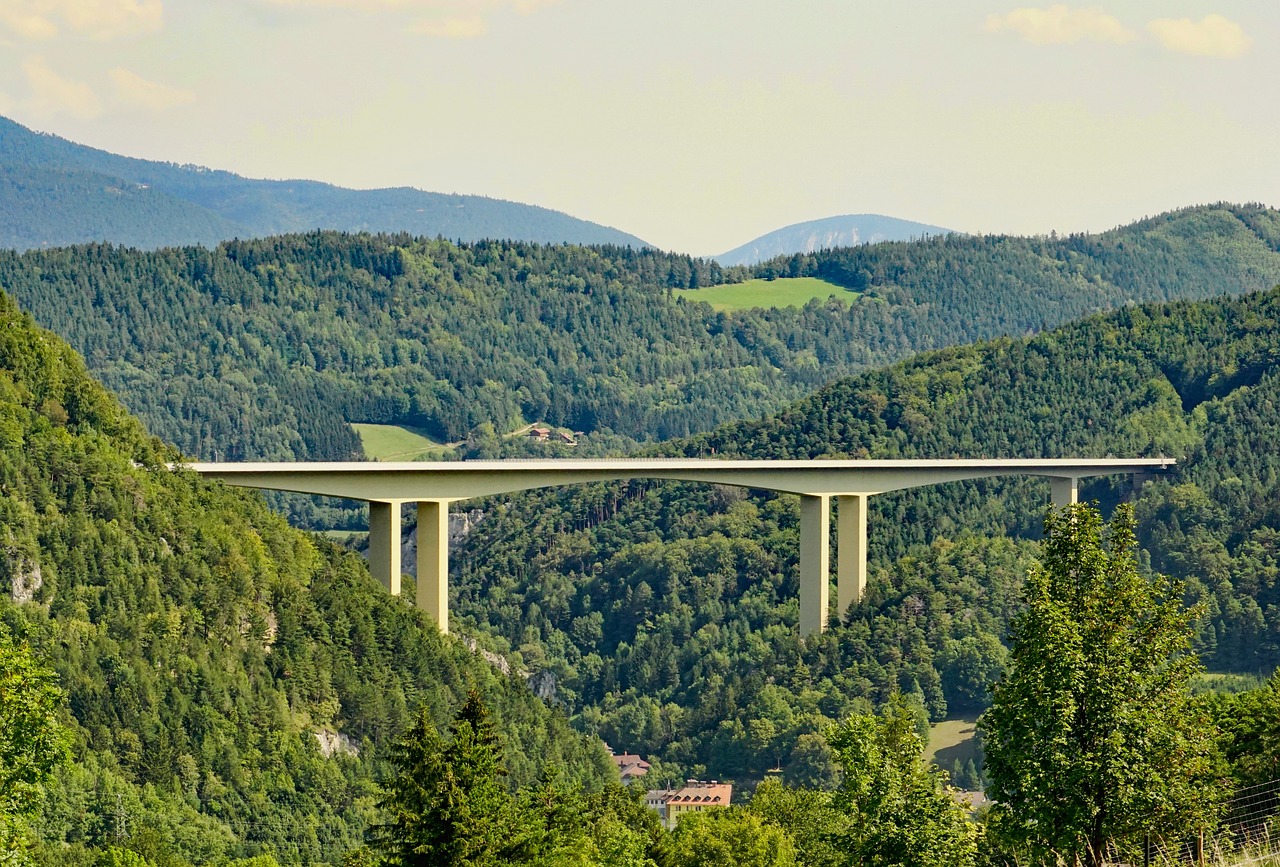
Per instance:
{"type": "Point", "coordinates": [388, 442]}
{"type": "Point", "coordinates": [782, 292]}
{"type": "Point", "coordinates": [344, 537]}
{"type": "Point", "coordinates": [1225, 682]}
{"type": "Point", "coordinates": [952, 739]}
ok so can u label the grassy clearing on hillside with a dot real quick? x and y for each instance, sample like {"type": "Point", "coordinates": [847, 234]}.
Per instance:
{"type": "Point", "coordinates": [388, 442]}
{"type": "Point", "coordinates": [952, 739]}
{"type": "Point", "coordinates": [782, 292]}
{"type": "Point", "coordinates": [1226, 682]}
{"type": "Point", "coordinates": [344, 537]}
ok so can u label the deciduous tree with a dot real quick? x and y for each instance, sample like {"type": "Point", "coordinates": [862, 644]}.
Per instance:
{"type": "Point", "coordinates": [1092, 739]}
{"type": "Point", "coordinates": [31, 741]}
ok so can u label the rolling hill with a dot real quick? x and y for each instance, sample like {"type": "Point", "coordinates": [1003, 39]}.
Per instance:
{"type": "Point", "coordinates": [849, 230]}
{"type": "Point", "coordinates": [667, 612]}
{"type": "Point", "coordinates": [54, 192]}
{"type": "Point", "coordinates": [232, 685]}
{"type": "Point", "coordinates": [271, 348]}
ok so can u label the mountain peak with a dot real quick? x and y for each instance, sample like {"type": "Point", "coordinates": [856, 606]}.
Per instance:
{"type": "Point", "coordinates": [54, 192]}
{"type": "Point", "coordinates": [847, 230]}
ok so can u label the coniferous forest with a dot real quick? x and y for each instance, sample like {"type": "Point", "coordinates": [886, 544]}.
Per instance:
{"type": "Point", "coordinates": [268, 349]}
{"type": "Point", "coordinates": [186, 679]}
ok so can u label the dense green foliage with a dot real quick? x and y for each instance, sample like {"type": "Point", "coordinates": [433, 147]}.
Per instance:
{"type": "Point", "coordinates": [31, 744]}
{"type": "Point", "coordinates": [1093, 740]}
{"type": "Point", "coordinates": [267, 349]}
{"type": "Point", "coordinates": [210, 655]}
{"type": "Point", "coordinates": [898, 809]}
{"type": "Point", "coordinates": [54, 192]}
{"type": "Point", "coordinates": [667, 612]}
{"type": "Point", "coordinates": [447, 802]}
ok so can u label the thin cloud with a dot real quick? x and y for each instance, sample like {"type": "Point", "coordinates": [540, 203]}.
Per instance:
{"type": "Point", "coordinates": [38, 20]}
{"type": "Point", "coordinates": [1211, 36]}
{"type": "Point", "coordinates": [51, 94]}
{"type": "Point", "coordinates": [470, 27]}
{"type": "Point", "coordinates": [1061, 24]}
{"type": "Point", "coordinates": [135, 91]}
{"type": "Point", "coordinates": [445, 19]}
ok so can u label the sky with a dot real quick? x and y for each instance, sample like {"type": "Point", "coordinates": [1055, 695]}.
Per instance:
{"type": "Point", "coordinates": [694, 124]}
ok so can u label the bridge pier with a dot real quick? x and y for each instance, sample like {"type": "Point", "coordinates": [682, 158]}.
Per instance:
{"type": "Point", "coordinates": [384, 543]}
{"type": "Point", "coordinates": [851, 551]}
{"type": "Point", "coordinates": [1064, 490]}
{"type": "Point", "coordinates": [815, 562]}
{"type": "Point", "coordinates": [433, 560]}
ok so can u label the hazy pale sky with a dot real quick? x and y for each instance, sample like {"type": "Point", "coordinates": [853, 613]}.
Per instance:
{"type": "Point", "coordinates": [695, 124]}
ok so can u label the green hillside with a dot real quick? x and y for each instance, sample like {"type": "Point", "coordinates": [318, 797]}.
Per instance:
{"type": "Point", "coordinates": [67, 189]}
{"type": "Point", "coordinates": [232, 685]}
{"type": "Point", "coordinates": [268, 349]}
{"type": "Point", "coordinates": [668, 612]}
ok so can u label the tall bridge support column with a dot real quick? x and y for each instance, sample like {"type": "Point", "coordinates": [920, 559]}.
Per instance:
{"type": "Point", "coordinates": [384, 544]}
{"type": "Point", "coordinates": [1064, 490]}
{"type": "Point", "coordinates": [815, 562]}
{"type": "Point", "coordinates": [433, 560]}
{"type": "Point", "coordinates": [851, 555]}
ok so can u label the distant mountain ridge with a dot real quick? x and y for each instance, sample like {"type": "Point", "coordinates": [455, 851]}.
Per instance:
{"type": "Point", "coordinates": [848, 230]}
{"type": "Point", "coordinates": [54, 192]}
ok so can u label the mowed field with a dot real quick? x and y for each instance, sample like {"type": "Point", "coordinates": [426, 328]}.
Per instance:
{"type": "Point", "coordinates": [387, 442]}
{"type": "Point", "coordinates": [782, 292]}
{"type": "Point", "coordinates": [952, 739]}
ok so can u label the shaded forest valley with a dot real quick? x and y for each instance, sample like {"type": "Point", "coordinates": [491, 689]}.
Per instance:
{"type": "Point", "coordinates": [235, 688]}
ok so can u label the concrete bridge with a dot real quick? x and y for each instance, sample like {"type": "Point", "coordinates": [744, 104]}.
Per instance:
{"type": "Point", "coordinates": [433, 486]}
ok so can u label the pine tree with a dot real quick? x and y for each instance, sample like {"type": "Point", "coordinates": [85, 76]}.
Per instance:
{"type": "Point", "coordinates": [447, 803]}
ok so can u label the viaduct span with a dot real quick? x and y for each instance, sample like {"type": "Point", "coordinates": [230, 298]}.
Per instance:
{"type": "Point", "coordinates": [433, 486]}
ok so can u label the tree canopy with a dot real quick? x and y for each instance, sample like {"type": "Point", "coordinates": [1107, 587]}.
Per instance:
{"type": "Point", "coordinates": [1092, 739]}
{"type": "Point", "coordinates": [32, 741]}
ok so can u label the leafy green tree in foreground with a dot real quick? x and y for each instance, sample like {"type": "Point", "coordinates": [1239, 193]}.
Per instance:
{"type": "Point", "coordinates": [897, 809]}
{"type": "Point", "coordinates": [729, 836]}
{"type": "Point", "coordinates": [31, 742]}
{"type": "Point", "coordinates": [1092, 739]}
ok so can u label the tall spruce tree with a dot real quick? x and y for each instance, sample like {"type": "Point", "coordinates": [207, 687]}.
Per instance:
{"type": "Point", "coordinates": [1092, 739]}
{"type": "Point", "coordinates": [448, 803]}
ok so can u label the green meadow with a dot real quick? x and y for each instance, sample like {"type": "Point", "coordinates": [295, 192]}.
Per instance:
{"type": "Point", "coordinates": [952, 739]}
{"type": "Point", "coordinates": [781, 292]}
{"type": "Point", "coordinates": [388, 442]}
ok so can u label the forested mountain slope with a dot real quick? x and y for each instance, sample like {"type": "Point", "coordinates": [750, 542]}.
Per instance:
{"type": "Point", "coordinates": [267, 349]}
{"type": "Point", "coordinates": [59, 192]}
{"type": "Point", "coordinates": [210, 655]}
{"type": "Point", "coordinates": [668, 612]}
